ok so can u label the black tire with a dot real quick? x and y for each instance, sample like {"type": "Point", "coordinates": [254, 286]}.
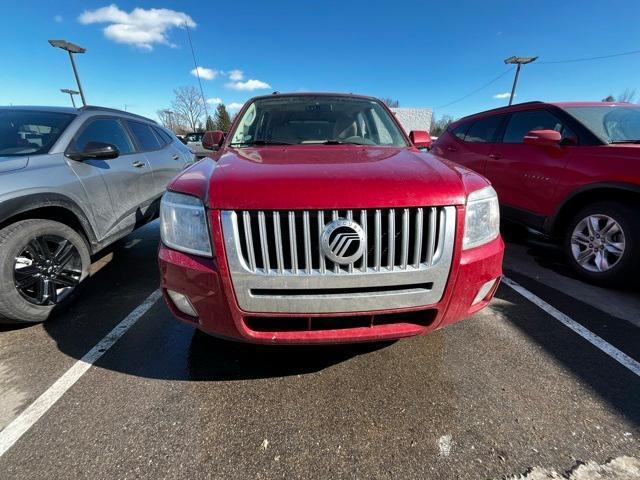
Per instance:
{"type": "Point", "coordinates": [621, 271]}
{"type": "Point", "coordinates": [15, 307]}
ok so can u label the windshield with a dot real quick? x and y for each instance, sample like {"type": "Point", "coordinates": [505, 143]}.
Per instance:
{"type": "Point", "coordinates": [613, 124]}
{"type": "Point", "coordinates": [28, 132]}
{"type": "Point", "coordinates": [195, 137]}
{"type": "Point", "coordinates": [297, 120]}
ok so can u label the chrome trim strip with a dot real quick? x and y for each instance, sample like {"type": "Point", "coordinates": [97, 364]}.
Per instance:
{"type": "Point", "coordinates": [431, 236]}
{"type": "Point", "coordinates": [292, 243]}
{"type": "Point", "coordinates": [307, 241]}
{"type": "Point", "coordinates": [278, 236]}
{"type": "Point", "coordinates": [363, 224]}
{"type": "Point", "coordinates": [378, 239]}
{"type": "Point", "coordinates": [391, 240]}
{"type": "Point", "coordinates": [417, 249]}
{"type": "Point", "coordinates": [246, 218]}
{"type": "Point", "coordinates": [404, 250]}
{"type": "Point", "coordinates": [321, 224]}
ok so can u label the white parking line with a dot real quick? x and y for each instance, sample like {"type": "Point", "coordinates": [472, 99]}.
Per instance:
{"type": "Point", "coordinates": [18, 427]}
{"type": "Point", "coordinates": [588, 335]}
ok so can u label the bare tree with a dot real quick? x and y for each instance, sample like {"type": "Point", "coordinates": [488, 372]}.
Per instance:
{"type": "Point", "coordinates": [391, 103]}
{"type": "Point", "coordinates": [628, 96]}
{"type": "Point", "coordinates": [439, 126]}
{"type": "Point", "coordinates": [188, 108]}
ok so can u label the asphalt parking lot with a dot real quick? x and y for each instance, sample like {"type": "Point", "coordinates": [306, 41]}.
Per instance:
{"type": "Point", "coordinates": [510, 389]}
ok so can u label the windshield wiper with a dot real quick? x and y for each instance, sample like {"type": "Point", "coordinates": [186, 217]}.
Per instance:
{"type": "Point", "coordinates": [625, 141]}
{"type": "Point", "coordinates": [260, 142]}
{"type": "Point", "coordinates": [341, 142]}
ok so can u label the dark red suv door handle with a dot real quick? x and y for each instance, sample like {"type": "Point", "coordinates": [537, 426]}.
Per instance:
{"type": "Point", "coordinates": [451, 149]}
{"type": "Point", "coordinates": [495, 156]}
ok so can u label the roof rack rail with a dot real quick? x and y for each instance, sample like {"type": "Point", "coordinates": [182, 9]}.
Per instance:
{"type": "Point", "coordinates": [114, 110]}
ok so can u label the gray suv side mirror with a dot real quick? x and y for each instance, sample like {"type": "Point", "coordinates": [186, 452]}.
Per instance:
{"type": "Point", "coordinates": [96, 151]}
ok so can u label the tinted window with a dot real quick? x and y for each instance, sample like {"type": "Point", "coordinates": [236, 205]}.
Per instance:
{"type": "Point", "coordinates": [461, 130]}
{"type": "Point", "coordinates": [521, 123]}
{"type": "Point", "coordinates": [27, 132]}
{"type": "Point", "coordinates": [610, 123]}
{"type": "Point", "coordinates": [105, 130]}
{"type": "Point", "coordinates": [164, 136]}
{"type": "Point", "coordinates": [484, 131]}
{"type": "Point", "coordinates": [145, 136]}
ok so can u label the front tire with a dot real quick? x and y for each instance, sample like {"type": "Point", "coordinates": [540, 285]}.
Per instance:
{"type": "Point", "coordinates": [42, 266]}
{"type": "Point", "coordinates": [602, 241]}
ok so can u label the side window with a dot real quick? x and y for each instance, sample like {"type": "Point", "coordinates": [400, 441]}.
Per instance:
{"type": "Point", "coordinates": [105, 130]}
{"type": "Point", "coordinates": [484, 130]}
{"type": "Point", "coordinates": [145, 136]}
{"type": "Point", "coordinates": [461, 130]}
{"type": "Point", "coordinates": [384, 137]}
{"type": "Point", "coordinates": [164, 136]}
{"type": "Point", "coordinates": [521, 123]}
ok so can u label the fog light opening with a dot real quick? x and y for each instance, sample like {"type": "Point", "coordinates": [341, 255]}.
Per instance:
{"type": "Point", "coordinates": [484, 291]}
{"type": "Point", "coordinates": [182, 303]}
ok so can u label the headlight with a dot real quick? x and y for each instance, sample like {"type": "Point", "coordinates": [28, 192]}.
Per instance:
{"type": "Point", "coordinates": [183, 224]}
{"type": "Point", "coordinates": [482, 222]}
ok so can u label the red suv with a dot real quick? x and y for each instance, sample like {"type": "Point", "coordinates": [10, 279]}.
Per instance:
{"type": "Point", "coordinates": [318, 220]}
{"type": "Point", "coordinates": [569, 170]}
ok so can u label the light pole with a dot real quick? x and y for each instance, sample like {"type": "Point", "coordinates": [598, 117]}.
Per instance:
{"type": "Point", "coordinates": [518, 61]}
{"type": "Point", "coordinates": [71, 49]}
{"type": "Point", "coordinates": [71, 94]}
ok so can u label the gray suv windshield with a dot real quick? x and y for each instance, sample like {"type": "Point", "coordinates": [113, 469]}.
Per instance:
{"type": "Point", "coordinates": [28, 132]}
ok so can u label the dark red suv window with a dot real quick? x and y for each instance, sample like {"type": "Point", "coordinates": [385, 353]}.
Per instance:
{"type": "Point", "coordinates": [484, 130]}
{"type": "Point", "coordinates": [521, 123]}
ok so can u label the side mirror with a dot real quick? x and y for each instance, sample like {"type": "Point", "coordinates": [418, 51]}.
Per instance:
{"type": "Point", "coordinates": [212, 139]}
{"type": "Point", "coordinates": [420, 139]}
{"type": "Point", "coordinates": [542, 138]}
{"type": "Point", "coordinates": [97, 151]}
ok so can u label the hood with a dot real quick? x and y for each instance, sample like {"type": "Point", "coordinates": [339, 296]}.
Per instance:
{"type": "Point", "coordinates": [328, 177]}
{"type": "Point", "coordinates": [8, 164]}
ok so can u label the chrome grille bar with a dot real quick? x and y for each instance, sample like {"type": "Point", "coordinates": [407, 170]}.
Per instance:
{"type": "Point", "coordinates": [246, 219]}
{"type": "Point", "coordinates": [262, 226]}
{"type": "Point", "coordinates": [391, 249]}
{"type": "Point", "coordinates": [378, 240]}
{"type": "Point", "coordinates": [307, 241]}
{"type": "Point", "coordinates": [292, 243]}
{"type": "Point", "coordinates": [431, 236]}
{"type": "Point", "coordinates": [323, 268]}
{"type": "Point", "coordinates": [404, 250]}
{"type": "Point", "coordinates": [417, 242]}
{"type": "Point", "coordinates": [278, 236]}
{"type": "Point", "coordinates": [363, 224]}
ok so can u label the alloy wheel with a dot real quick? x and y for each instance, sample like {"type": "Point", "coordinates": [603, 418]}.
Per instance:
{"type": "Point", "coordinates": [47, 270]}
{"type": "Point", "coordinates": [597, 243]}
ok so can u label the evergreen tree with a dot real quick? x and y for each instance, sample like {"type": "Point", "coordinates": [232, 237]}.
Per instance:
{"type": "Point", "coordinates": [210, 124]}
{"type": "Point", "coordinates": [222, 119]}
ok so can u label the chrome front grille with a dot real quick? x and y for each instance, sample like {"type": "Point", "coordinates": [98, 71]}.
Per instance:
{"type": "Point", "coordinates": [275, 242]}
{"type": "Point", "coordinates": [276, 262]}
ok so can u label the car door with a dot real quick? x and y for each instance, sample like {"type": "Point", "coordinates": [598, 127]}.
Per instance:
{"type": "Point", "coordinates": [165, 162]}
{"type": "Point", "coordinates": [127, 177]}
{"type": "Point", "coordinates": [526, 176]}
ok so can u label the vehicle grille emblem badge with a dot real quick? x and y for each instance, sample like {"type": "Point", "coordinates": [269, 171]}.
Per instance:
{"type": "Point", "coordinates": [343, 241]}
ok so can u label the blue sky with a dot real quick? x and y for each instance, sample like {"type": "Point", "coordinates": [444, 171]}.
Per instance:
{"type": "Point", "coordinates": [425, 54]}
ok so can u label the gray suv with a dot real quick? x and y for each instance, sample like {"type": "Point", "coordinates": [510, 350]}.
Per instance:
{"type": "Point", "coordinates": [73, 181]}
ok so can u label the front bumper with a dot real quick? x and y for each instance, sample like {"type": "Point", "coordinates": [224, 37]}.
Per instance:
{"type": "Point", "coordinates": [208, 286]}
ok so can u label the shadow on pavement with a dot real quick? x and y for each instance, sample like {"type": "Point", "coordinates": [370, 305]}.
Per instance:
{"type": "Point", "coordinates": [214, 359]}
{"type": "Point", "coordinates": [611, 381]}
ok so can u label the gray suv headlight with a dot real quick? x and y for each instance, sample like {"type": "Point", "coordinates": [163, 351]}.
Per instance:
{"type": "Point", "coordinates": [183, 224]}
{"type": "Point", "coordinates": [482, 221]}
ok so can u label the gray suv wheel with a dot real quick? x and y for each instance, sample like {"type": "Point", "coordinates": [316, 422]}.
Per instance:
{"type": "Point", "coordinates": [42, 266]}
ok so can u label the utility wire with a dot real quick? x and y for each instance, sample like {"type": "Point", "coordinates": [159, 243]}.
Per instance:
{"type": "Point", "coordinates": [476, 90]}
{"type": "Point", "coordinates": [195, 65]}
{"type": "Point", "coordinates": [587, 59]}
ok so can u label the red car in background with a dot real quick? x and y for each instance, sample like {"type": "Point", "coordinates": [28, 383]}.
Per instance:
{"type": "Point", "coordinates": [318, 220]}
{"type": "Point", "coordinates": [569, 170]}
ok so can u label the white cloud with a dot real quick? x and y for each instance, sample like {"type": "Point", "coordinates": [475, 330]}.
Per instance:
{"type": "Point", "coordinates": [234, 106]}
{"type": "Point", "coordinates": [236, 75]}
{"type": "Point", "coordinates": [58, 18]}
{"type": "Point", "coordinates": [502, 95]}
{"type": "Point", "coordinates": [206, 73]}
{"type": "Point", "coordinates": [214, 101]}
{"type": "Point", "coordinates": [140, 27]}
{"type": "Point", "coordinates": [249, 85]}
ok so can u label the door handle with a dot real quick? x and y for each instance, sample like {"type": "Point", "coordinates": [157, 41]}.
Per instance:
{"type": "Point", "coordinates": [138, 164]}
{"type": "Point", "coordinates": [176, 157]}
{"type": "Point", "coordinates": [495, 156]}
{"type": "Point", "coordinates": [451, 149]}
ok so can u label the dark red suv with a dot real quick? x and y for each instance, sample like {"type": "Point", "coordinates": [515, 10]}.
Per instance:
{"type": "Point", "coordinates": [569, 170]}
